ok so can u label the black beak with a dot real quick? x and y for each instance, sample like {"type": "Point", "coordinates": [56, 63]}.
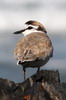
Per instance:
{"type": "Point", "coordinates": [19, 32]}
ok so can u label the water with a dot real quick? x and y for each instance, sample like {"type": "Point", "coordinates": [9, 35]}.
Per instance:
{"type": "Point", "coordinates": [13, 14]}
{"type": "Point", "coordinates": [9, 68]}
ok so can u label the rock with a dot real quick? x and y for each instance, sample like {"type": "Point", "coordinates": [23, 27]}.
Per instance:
{"type": "Point", "coordinates": [44, 85]}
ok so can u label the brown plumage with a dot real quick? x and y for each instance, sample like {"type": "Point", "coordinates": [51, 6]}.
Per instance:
{"type": "Point", "coordinates": [34, 50]}
{"type": "Point", "coordinates": [33, 46]}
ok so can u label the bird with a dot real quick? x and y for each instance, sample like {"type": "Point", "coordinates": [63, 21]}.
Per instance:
{"type": "Point", "coordinates": [35, 48]}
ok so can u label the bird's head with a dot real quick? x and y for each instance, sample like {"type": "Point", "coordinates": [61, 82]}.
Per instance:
{"type": "Point", "coordinates": [32, 26]}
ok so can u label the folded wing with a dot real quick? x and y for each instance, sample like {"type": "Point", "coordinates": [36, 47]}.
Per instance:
{"type": "Point", "coordinates": [33, 46]}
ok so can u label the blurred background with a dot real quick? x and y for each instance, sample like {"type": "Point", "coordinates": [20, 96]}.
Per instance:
{"type": "Point", "coordinates": [13, 15]}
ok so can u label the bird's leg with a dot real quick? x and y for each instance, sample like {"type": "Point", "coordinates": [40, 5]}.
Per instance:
{"type": "Point", "coordinates": [38, 69]}
{"type": "Point", "coordinates": [24, 72]}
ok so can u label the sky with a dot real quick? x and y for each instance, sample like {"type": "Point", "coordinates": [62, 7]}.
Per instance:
{"type": "Point", "coordinates": [14, 13]}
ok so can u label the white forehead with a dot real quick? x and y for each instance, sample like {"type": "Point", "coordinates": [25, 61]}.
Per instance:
{"type": "Point", "coordinates": [26, 32]}
{"type": "Point", "coordinates": [26, 26]}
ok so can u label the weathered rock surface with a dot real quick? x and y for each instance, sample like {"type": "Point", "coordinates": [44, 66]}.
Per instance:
{"type": "Point", "coordinates": [44, 85]}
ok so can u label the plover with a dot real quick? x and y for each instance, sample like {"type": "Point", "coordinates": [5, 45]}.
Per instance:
{"type": "Point", "coordinates": [35, 48]}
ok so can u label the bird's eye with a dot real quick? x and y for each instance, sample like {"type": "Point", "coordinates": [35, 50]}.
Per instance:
{"type": "Point", "coordinates": [30, 27]}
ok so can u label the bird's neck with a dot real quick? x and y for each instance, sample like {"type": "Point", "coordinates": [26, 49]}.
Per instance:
{"type": "Point", "coordinates": [26, 32]}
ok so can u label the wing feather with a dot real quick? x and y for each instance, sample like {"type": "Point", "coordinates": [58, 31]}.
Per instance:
{"type": "Point", "coordinates": [33, 46]}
